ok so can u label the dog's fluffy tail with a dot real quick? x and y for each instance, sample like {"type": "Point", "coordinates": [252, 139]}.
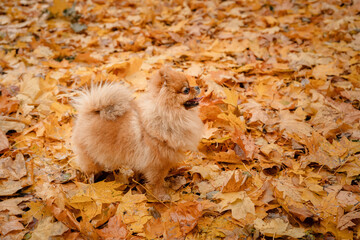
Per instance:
{"type": "Point", "coordinates": [109, 100]}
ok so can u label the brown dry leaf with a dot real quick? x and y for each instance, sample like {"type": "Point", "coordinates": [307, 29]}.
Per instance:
{"type": "Point", "coordinates": [246, 145]}
{"type": "Point", "coordinates": [236, 183]}
{"type": "Point", "coordinates": [7, 104]}
{"type": "Point", "coordinates": [176, 221]}
{"type": "Point", "coordinates": [227, 157]}
{"type": "Point", "coordinates": [106, 213]}
{"type": "Point", "coordinates": [322, 71]}
{"type": "Point", "coordinates": [13, 169]}
{"type": "Point", "coordinates": [346, 220]}
{"type": "Point", "coordinates": [207, 172]}
{"type": "Point", "coordinates": [301, 213]}
{"type": "Point", "coordinates": [154, 228]}
{"type": "Point", "coordinates": [9, 187]}
{"type": "Point", "coordinates": [287, 188]}
{"type": "Point", "coordinates": [233, 120]}
{"type": "Point", "coordinates": [238, 202]}
{"type": "Point", "coordinates": [257, 112]}
{"type": "Point", "coordinates": [8, 125]}
{"type": "Point", "coordinates": [12, 224]}
{"type": "Point", "coordinates": [115, 229]}
{"type": "Point", "coordinates": [213, 87]}
{"type": "Point", "coordinates": [347, 199]}
{"type": "Point", "coordinates": [87, 58]}
{"type": "Point", "coordinates": [87, 230]}
{"type": "Point", "coordinates": [11, 205]}
{"type": "Point", "coordinates": [185, 215]}
{"type": "Point", "coordinates": [61, 213]}
{"type": "Point", "coordinates": [195, 70]}
{"type": "Point", "coordinates": [46, 229]}
{"type": "Point", "coordinates": [292, 124]}
{"type": "Point", "coordinates": [278, 227]}
{"type": "Point", "coordinates": [4, 142]}
{"type": "Point", "coordinates": [125, 69]}
{"type": "Point", "coordinates": [324, 153]}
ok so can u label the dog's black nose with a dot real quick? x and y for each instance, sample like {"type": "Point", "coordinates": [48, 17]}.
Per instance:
{"type": "Point", "coordinates": [197, 88]}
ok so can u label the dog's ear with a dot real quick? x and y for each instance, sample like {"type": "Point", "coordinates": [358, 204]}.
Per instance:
{"type": "Point", "coordinates": [165, 74]}
{"type": "Point", "coordinates": [160, 79]}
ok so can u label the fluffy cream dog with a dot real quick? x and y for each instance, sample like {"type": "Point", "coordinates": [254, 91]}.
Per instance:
{"type": "Point", "coordinates": [149, 134]}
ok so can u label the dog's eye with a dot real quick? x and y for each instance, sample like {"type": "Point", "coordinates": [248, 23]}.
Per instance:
{"type": "Point", "coordinates": [186, 90]}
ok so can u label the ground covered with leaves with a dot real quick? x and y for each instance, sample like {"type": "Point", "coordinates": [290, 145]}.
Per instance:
{"type": "Point", "coordinates": [280, 156]}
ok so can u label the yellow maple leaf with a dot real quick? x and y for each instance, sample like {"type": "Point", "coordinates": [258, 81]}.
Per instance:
{"type": "Point", "coordinates": [238, 202]}
{"type": "Point", "coordinates": [231, 97]}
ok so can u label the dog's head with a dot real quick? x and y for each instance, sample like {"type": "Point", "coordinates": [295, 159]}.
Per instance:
{"type": "Point", "coordinates": [172, 88]}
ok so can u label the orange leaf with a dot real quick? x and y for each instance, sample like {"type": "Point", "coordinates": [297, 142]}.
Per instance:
{"type": "Point", "coordinates": [154, 228]}
{"type": "Point", "coordinates": [86, 58]}
{"type": "Point", "coordinates": [186, 215]}
{"type": "Point", "coordinates": [58, 7]}
{"type": "Point", "coordinates": [115, 229]}
{"type": "Point", "coordinates": [7, 105]}
{"type": "Point", "coordinates": [4, 143]}
{"type": "Point", "coordinates": [237, 182]}
{"type": "Point", "coordinates": [246, 145]}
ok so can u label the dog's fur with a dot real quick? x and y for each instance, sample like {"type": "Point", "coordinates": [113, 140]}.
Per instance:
{"type": "Point", "coordinates": [149, 134]}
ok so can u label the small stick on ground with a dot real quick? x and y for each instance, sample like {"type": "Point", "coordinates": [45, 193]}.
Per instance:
{"type": "Point", "coordinates": [149, 192]}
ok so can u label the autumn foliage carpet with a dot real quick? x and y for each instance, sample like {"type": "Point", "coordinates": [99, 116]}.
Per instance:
{"type": "Point", "coordinates": [280, 156]}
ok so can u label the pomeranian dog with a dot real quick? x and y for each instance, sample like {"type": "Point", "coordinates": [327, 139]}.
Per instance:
{"type": "Point", "coordinates": [149, 134]}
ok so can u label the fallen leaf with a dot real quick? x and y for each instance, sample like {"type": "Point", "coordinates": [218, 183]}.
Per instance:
{"type": "Point", "coordinates": [12, 224]}
{"type": "Point", "coordinates": [322, 71]}
{"type": "Point", "coordinates": [346, 199]}
{"type": "Point", "coordinates": [13, 169]}
{"type": "Point", "coordinates": [126, 68]}
{"type": "Point", "coordinates": [11, 205]}
{"type": "Point", "coordinates": [134, 211]}
{"type": "Point", "coordinates": [46, 229]}
{"type": "Point", "coordinates": [236, 183]}
{"type": "Point", "coordinates": [231, 97]}
{"type": "Point", "coordinates": [257, 112]}
{"type": "Point", "coordinates": [238, 202]}
{"type": "Point", "coordinates": [9, 187]}
{"type": "Point", "coordinates": [154, 228]}
{"type": "Point", "coordinates": [43, 52]}
{"type": "Point", "coordinates": [115, 229]}
{"type": "Point", "coordinates": [346, 220]}
{"type": "Point", "coordinates": [91, 197]}
{"type": "Point", "coordinates": [58, 7]}
{"type": "Point", "coordinates": [36, 210]}
{"type": "Point", "coordinates": [227, 157]}
{"type": "Point", "coordinates": [4, 142]}
{"type": "Point", "coordinates": [195, 70]}
{"type": "Point", "coordinates": [301, 213]}
{"type": "Point", "coordinates": [278, 227]}
{"type": "Point", "coordinates": [87, 58]}
{"type": "Point", "coordinates": [7, 125]}
{"type": "Point", "coordinates": [186, 215]}
{"type": "Point", "coordinates": [291, 124]}
{"type": "Point", "coordinates": [7, 104]}
{"type": "Point", "coordinates": [207, 172]}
